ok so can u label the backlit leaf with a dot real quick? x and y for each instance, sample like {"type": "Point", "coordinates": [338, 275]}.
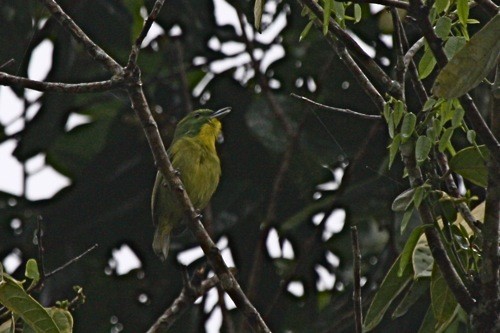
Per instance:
{"type": "Point", "coordinates": [470, 163]}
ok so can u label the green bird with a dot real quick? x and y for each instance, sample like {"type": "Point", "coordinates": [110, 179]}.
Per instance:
{"type": "Point", "coordinates": [193, 154]}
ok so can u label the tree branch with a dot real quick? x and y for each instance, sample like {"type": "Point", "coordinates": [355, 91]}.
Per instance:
{"type": "Point", "coordinates": [346, 111]}
{"type": "Point", "coordinates": [388, 3]}
{"type": "Point", "coordinates": [92, 48]}
{"type": "Point", "coordinates": [343, 38]}
{"type": "Point", "coordinates": [421, 13]}
{"type": "Point", "coordinates": [356, 253]}
{"type": "Point", "coordinates": [436, 246]}
{"type": "Point", "coordinates": [486, 319]}
{"type": "Point", "coordinates": [70, 88]}
{"type": "Point", "coordinates": [190, 292]}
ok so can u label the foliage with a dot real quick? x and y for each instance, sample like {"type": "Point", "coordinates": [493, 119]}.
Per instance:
{"type": "Point", "coordinates": [288, 168]}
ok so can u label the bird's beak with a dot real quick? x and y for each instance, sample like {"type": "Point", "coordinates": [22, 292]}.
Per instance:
{"type": "Point", "coordinates": [221, 113]}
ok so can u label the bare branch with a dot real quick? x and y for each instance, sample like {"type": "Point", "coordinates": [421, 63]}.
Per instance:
{"type": "Point", "coordinates": [7, 63]}
{"type": "Point", "coordinates": [190, 292]}
{"type": "Point", "coordinates": [72, 261]}
{"type": "Point", "coordinates": [134, 53]}
{"type": "Point", "coordinates": [410, 54]}
{"type": "Point", "coordinates": [92, 48]}
{"type": "Point", "coordinates": [331, 108]}
{"type": "Point", "coordinates": [388, 3]}
{"type": "Point", "coordinates": [356, 253]}
{"type": "Point", "coordinates": [70, 88]}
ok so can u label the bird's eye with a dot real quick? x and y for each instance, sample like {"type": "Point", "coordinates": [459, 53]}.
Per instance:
{"type": "Point", "coordinates": [197, 115]}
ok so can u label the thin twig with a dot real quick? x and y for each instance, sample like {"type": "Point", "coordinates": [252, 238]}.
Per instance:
{"type": "Point", "coordinates": [7, 63]}
{"type": "Point", "coordinates": [134, 53]}
{"type": "Point", "coordinates": [410, 54]}
{"type": "Point", "coordinates": [462, 207]}
{"type": "Point", "coordinates": [340, 36]}
{"type": "Point", "coordinates": [388, 3]}
{"type": "Point", "coordinates": [331, 108]}
{"type": "Point", "coordinates": [92, 48]}
{"type": "Point", "coordinates": [70, 88]}
{"type": "Point", "coordinates": [41, 250]}
{"type": "Point", "coordinates": [356, 253]}
{"type": "Point", "coordinates": [72, 261]}
{"type": "Point", "coordinates": [190, 292]}
{"type": "Point", "coordinates": [398, 45]}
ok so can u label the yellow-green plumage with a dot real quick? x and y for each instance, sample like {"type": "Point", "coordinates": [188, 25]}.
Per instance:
{"type": "Point", "coordinates": [193, 154]}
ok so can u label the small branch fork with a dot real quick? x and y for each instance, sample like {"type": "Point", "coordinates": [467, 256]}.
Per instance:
{"type": "Point", "coordinates": [193, 288]}
{"type": "Point", "coordinates": [129, 78]}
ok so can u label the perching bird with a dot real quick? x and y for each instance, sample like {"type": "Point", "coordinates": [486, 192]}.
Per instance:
{"type": "Point", "coordinates": [193, 154]}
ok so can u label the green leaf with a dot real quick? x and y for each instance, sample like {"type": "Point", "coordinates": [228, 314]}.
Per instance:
{"type": "Point", "coordinates": [408, 126]}
{"type": "Point", "coordinates": [422, 259]}
{"type": "Point", "coordinates": [327, 11]}
{"type": "Point", "coordinates": [403, 201]}
{"type": "Point", "coordinates": [306, 30]}
{"type": "Point", "coordinates": [443, 27]}
{"type": "Point", "coordinates": [443, 301]}
{"type": "Point", "coordinates": [422, 148]}
{"type": "Point", "coordinates": [358, 14]}
{"type": "Point", "coordinates": [426, 64]}
{"type": "Point", "coordinates": [441, 5]}
{"type": "Point", "coordinates": [428, 323]}
{"type": "Point", "coordinates": [31, 271]}
{"type": "Point", "coordinates": [453, 45]}
{"type": "Point", "coordinates": [420, 194]}
{"type": "Point", "coordinates": [339, 10]}
{"type": "Point", "coordinates": [390, 126]}
{"type": "Point", "coordinates": [407, 253]}
{"type": "Point", "coordinates": [134, 8]}
{"type": "Point", "coordinates": [463, 11]}
{"type": "Point", "coordinates": [392, 285]}
{"type": "Point", "coordinates": [471, 64]}
{"type": "Point", "coordinates": [471, 136]}
{"type": "Point", "coordinates": [74, 150]}
{"type": "Point", "coordinates": [458, 117]}
{"type": "Point", "coordinates": [62, 318]}
{"type": "Point", "coordinates": [470, 163]}
{"type": "Point", "coordinates": [257, 13]}
{"type": "Point", "coordinates": [445, 139]}
{"type": "Point", "coordinates": [398, 113]}
{"type": "Point", "coordinates": [394, 148]}
{"type": "Point", "coordinates": [417, 289]}
{"type": "Point", "coordinates": [448, 208]}
{"type": "Point", "coordinates": [406, 218]}
{"type": "Point", "coordinates": [429, 104]}
{"type": "Point", "coordinates": [387, 111]}
{"type": "Point", "coordinates": [14, 297]}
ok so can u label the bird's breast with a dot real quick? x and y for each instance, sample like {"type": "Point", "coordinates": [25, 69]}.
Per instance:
{"type": "Point", "coordinates": [199, 168]}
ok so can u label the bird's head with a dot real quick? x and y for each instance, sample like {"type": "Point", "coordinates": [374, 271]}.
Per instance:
{"type": "Point", "coordinates": [202, 123]}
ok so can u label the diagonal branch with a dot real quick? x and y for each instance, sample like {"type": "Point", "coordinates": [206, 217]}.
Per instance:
{"type": "Point", "coordinates": [190, 292]}
{"type": "Point", "coordinates": [92, 48]}
{"type": "Point", "coordinates": [331, 108]}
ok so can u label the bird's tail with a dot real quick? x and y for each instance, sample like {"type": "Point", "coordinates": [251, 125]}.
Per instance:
{"type": "Point", "coordinates": [161, 243]}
